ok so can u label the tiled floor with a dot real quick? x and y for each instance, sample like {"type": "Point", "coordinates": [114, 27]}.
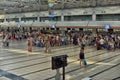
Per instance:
{"type": "Point", "coordinates": [18, 64]}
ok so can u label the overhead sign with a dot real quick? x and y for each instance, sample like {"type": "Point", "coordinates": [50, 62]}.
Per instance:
{"type": "Point", "coordinates": [51, 1]}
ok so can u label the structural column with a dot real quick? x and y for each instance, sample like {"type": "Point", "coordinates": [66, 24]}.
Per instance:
{"type": "Point", "coordinates": [4, 19]}
{"type": "Point", "coordinates": [94, 31]}
{"type": "Point", "coordinates": [93, 16]}
{"type": "Point", "coordinates": [62, 17]}
{"type": "Point", "coordinates": [38, 18]}
{"type": "Point", "coordinates": [62, 12]}
{"type": "Point", "coordinates": [19, 19]}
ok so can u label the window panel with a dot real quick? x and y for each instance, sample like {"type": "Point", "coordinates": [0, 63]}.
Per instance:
{"type": "Point", "coordinates": [108, 17]}
{"type": "Point", "coordinates": [56, 18]}
{"type": "Point", "coordinates": [29, 19]}
{"type": "Point", "coordinates": [1, 20]}
{"type": "Point", "coordinates": [12, 19]}
{"type": "Point", "coordinates": [78, 18]}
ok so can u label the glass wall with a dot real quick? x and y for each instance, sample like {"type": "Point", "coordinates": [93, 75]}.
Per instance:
{"type": "Point", "coordinates": [56, 18]}
{"type": "Point", "coordinates": [1, 20]}
{"type": "Point", "coordinates": [78, 18]}
{"type": "Point", "coordinates": [12, 19]}
{"type": "Point", "coordinates": [108, 17]}
{"type": "Point", "coordinates": [29, 19]}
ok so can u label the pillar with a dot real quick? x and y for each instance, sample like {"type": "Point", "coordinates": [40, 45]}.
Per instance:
{"type": "Point", "coordinates": [38, 18]}
{"type": "Point", "coordinates": [62, 18]}
{"type": "Point", "coordinates": [93, 17]}
{"type": "Point", "coordinates": [19, 19]}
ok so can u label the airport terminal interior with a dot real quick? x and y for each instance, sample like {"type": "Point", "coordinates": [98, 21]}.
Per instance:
{"type": "Point", "coordinates": [59, 39]}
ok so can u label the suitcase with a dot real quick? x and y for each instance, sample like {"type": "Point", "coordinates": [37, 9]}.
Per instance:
{"type": "Point", "coordinates": [7, 44]}
{"type": "Point", "coordinates": [98, 47]}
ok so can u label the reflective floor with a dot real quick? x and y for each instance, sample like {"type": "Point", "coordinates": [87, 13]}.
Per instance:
{"type": "Point", "coordinates": [16, 63]}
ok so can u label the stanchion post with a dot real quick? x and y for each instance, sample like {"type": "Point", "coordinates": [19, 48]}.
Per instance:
{"type": "Point", "coordinates": [63, 73]}
{"type": "Point", "coordinates": [57, 76]}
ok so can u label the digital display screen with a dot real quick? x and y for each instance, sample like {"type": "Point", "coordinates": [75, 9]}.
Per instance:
{"type": "Point", "coordinates": [53, 26]}
{"type": "Point", "coordinates": [107, 26]}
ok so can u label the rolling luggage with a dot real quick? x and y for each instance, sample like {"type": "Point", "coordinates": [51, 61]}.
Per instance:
{"type": "Point", "coordinates": [7, 44]}
{"type": "Point", "coordinates": [84, 62]}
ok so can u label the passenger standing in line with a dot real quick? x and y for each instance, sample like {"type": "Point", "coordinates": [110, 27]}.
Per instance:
{"type": "Point", "coordinates": [83, 42]}
{"type": "Point", "coordinates": [47, 46]}
{"type": "Point", "coordinates": [102, 43]}
{"type": "Point", "coordinates": [29, 45]}
{"type": "Point", "coordinates": [81, 56]}
{"type": "Point", "coordinates": [112, 44]}
{"type": "Point", "coordinates": [118, 37]}
{"type": "Point", "coordinates": [78, 40]}
{"type": "Point", "coordinates": [75, 40]}
{"type": "Point", "coordinates": [5, 41]}
{"type": "Point", "coordinates": [57, 40]}
{"type": "Point", "coordinates": [3, 35]}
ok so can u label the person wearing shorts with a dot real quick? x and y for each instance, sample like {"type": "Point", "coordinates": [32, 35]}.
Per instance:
{"type": "Point", "coordinates": [81, 55]}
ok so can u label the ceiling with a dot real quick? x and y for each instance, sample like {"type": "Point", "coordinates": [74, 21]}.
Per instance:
{"type": "Point", "coordinates": [17, 6]}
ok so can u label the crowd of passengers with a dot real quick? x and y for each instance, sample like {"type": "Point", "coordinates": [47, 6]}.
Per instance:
{"type": "Point", "coordinates": [106, 41]}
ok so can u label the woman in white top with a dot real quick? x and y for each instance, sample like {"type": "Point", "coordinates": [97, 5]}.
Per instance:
{"type": "Point", "coordinates": [101, 42]}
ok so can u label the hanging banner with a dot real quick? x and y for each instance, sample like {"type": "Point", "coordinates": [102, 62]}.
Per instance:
{"type": "Point", "coordinates": [51, 14]}
{"type": "Point", "coordinates": [50, 8]}
{"type": "Point", "coordinates": [50, 5]}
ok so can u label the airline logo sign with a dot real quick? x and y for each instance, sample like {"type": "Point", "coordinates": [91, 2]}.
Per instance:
{"type": "Point", "coordinates": [51, 1]}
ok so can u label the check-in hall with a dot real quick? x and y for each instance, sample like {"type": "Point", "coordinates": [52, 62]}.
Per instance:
{"type": "Point", "coordinates": [59, 40]}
